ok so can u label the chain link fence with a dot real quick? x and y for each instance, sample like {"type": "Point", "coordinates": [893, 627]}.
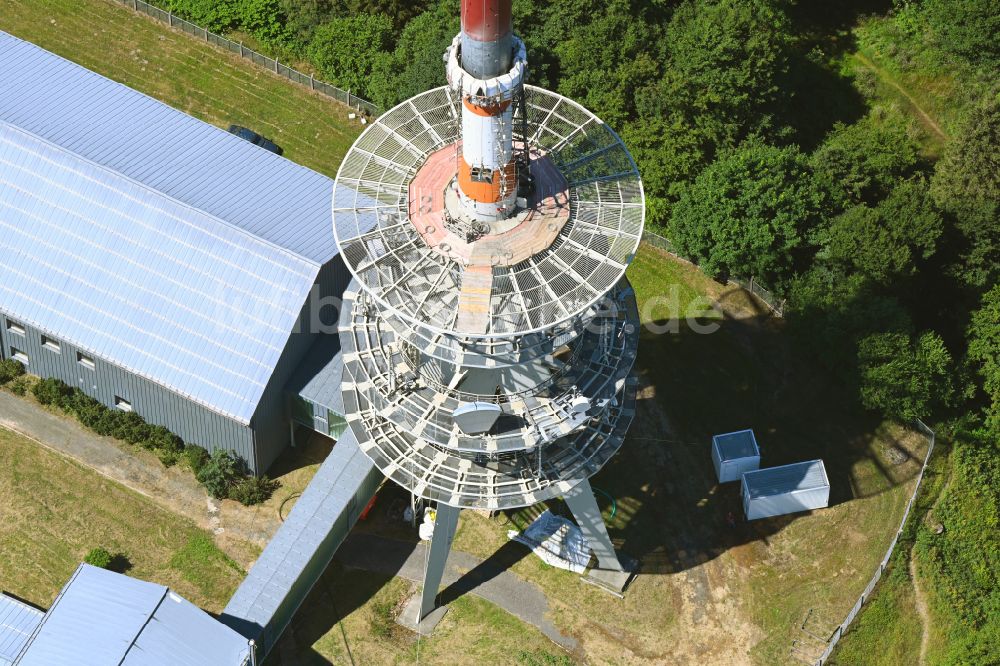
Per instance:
{"type": "Point", "coordinates": [853, 613]}
{"type": "Point", "coordinates": [771, 300]}
{"type": "Point", "coordinates": [272, 64]}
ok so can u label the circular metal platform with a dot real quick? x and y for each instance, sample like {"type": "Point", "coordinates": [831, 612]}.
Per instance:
{"type": "Point", "coordinates": [539, 449]}
{"type": "Point", "coordinates": [567, 250]}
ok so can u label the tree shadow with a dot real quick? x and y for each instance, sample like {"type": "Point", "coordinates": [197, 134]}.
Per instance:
{"type": "Point", "coordinates": [120, 563]}
{"type": "Point", "coordinates": [671, 512]}
{"type": "Point", "coordinates": [819, 95]}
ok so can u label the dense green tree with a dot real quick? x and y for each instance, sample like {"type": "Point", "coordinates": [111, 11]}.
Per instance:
{"type": "Point", "coordinates": [984, 350]}
{"type": "Point", "coordinates": [216, 15]}
{"type": "Point", "coordinates": [604, 62]}
{"type": "Point", "coordinates": [347, 50]}
{"type": "Point", "coordinates": [304, 16]}
{"type": "Point", "coordinates": [725, 60]}
{"type": "Point", "coordinates": [266, 21]}
{"type": "Point", "coordinates": [751, 213]}
{"type": "Point", "coordinates": [967, 28]}
{"type": "Point", "coordinates": [219, 473]}
{"type": "Point", "coordinates": [888, 241]}
{"type": "Point", "coordinates": [669, 152]}
{"type": "Point", "coordinates": [400, 11]}
{"type": "Point", "coordinates": [829, 313]}
{"type": "Point", "coordinates": [416, 63]}
{"type": "Point", "coordinates": [904, 379]}
{"type": "Point", "coordinates": [966, 183]}
{"type": "Point", "coordinates": [866, 158]}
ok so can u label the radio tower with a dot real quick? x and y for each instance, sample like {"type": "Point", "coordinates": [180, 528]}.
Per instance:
{"type": "Point", "coordinates": [489, 334]}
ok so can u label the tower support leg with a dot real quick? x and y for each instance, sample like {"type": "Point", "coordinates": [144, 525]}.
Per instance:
{"type": "Point", "coordinates": [445, 524]}
{"type": "Point", "coordinates": [588, 516]}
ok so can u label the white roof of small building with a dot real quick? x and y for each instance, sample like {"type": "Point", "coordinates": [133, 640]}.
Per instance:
{"type": "Point", "coordinates": [101, 617]}
{"type": "Point", "coordinates": [770, 481]}
{"type": "Point", "coordinates": [735, 445]}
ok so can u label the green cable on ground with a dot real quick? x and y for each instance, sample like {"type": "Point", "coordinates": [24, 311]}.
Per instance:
{"type": "Point", "coordinates": [614, 504]}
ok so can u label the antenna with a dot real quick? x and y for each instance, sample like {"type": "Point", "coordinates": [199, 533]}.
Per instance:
{"type": "Point", "coordinates": [488, 284]}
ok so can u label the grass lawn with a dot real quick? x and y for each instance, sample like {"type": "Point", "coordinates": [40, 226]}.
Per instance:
{"type": "Point", "coordinates": [187, 74]}
{"type": "Point", "coordinates": [53, 511]}
{"type": "Point", "coordinates": [888, 631]}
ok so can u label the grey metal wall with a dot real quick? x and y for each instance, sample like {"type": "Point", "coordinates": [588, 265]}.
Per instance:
{"type": "Point", "coordinates": [260, 444]}
{"type": "Point", "coordinates": [273, 415]}
{"type": "Point", "coordinates": [157, 404]}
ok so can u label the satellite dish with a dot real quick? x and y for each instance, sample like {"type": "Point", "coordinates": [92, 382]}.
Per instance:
{"type": "Point", "coordinates": [474, 418]}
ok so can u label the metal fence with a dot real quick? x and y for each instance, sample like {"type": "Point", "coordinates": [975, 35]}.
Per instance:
{"type": "Point", "coordinates": [776, 304]}
{"type": "Point", "coordinates": [853, 613]}
{"type": "Point", "coordinates": [272, 64]}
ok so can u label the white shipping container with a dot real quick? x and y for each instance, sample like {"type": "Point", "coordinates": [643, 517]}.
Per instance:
{"type": "Point", "coordinates": [733, 454]}
{"type": "Point", "coordinates": [776, 491]}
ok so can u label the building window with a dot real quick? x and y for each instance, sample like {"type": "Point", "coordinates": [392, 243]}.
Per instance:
{"type": "Point", "coordinates": [51, 345]}
{"type": "Point", "coordinates": [85, 361]}
{"type": "Point", "coordinates": [18, 355]}
{"type": "Point", "coordinates": [123, 404]}
{"type": "Point", "coordinates": [14, 327]}
{"type": "Point", "coordinates": [482, 175]}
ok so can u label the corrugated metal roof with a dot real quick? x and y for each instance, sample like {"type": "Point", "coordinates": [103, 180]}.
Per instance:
{"type": "Point", "coordinates": [786, 478]}
{"type": "Point", "coordinates": [307, 533]}
{"type": "Point", "coordinates": [734, 445]}
{"type": "Point", "coordinates": [17, 622]}
{"type": "Point", "coordinates": [184, 158]}
{"type": "Point", "coordinates": [321, 374]}
{"type": "Point", "coordinates": [101, 617]}
{"type": "Point", "coordinates": [164, 290]}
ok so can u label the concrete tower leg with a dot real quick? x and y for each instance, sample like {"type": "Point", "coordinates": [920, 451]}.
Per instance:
{"type": "Point", "coordinates": [445, 525]}
{"type": "Point", "coordinates": [588, 516]}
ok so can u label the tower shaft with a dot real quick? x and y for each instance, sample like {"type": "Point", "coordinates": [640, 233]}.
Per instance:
{"type": "Point", "coordinates": [487, 39]}
{"type": "Point", "coordinates": [488, 62]}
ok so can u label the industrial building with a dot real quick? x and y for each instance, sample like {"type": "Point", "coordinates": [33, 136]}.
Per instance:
{"type": "Point", "coordinates": [160, 264]}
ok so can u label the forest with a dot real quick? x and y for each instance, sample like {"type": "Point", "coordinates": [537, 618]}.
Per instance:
{"type": "Point", "coordinates": [766, 150]}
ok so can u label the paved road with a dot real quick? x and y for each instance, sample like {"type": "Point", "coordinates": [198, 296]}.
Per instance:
{"type": "Point", "coordinates": [488, 579]}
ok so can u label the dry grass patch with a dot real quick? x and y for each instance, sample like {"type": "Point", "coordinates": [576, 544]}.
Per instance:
{"type": "Point", "coordinates": [53, 511]}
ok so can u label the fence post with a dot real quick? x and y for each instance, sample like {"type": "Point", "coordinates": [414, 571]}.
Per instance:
{"type": "Point", "coordinates": [206, 33]}
{"type": "Point", "coordinates": [135, 6]}
{"type": "Point", "coordinates": [312, 82]}
{"type": "Point", "coordinates": [241, 49]}
{"type": "Point", "coordinates": [170, 19]}
{"type": "Point", "coordinates": [275, 65]}
{"type": "Point", "coordinates": [348, 97]}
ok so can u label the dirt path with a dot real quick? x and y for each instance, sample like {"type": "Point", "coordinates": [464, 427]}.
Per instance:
{"type": "Point", "coordinates": [921, 603]}
{"type": "Point", "coordinates": [924, 117]}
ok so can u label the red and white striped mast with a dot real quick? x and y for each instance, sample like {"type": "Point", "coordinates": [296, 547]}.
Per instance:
{"type": "Point", "coordinates": [487, 65]}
